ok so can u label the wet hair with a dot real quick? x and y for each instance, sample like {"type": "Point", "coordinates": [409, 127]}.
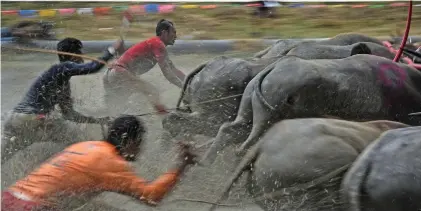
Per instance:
{"type": "Point", "coordinates": [162, 26]}
{"type": "Point", "coordinates": [69, 45]}
{"type": "Point", "coordinates": [124, 130]}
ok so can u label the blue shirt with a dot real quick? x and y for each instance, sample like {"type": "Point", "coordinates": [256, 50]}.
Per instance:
{"type": "Point", "coordinates": [52, 87]}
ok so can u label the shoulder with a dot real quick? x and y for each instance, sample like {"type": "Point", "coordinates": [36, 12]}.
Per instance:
{"type": "Point", "coordinates": [62, 67]}
{"type": "Point", "coordinates": [101, 155]}
{"type": "Point", "coordinates": [92, 150]}
{"type": "Point", "coordinates": [156, 42]}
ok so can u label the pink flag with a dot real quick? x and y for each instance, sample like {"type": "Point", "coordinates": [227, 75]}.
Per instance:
{"type": "Point", "coordinates": [67, 11]}
{"type": "Point", "coordinates": [208, 6]}
{"type": "Point", "coordinates": [359, 5]}
{"type": "Point", "coordinates": [166, 8]}
{"type": "Point", "coordinates": [398, 4]}
{"type": "Point", "coordinates": [137, 9]}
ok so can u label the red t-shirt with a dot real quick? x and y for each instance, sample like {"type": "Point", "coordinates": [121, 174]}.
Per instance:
{"type": "Point", "coordinates": [143, 56]}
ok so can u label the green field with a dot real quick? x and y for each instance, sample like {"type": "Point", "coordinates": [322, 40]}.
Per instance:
{"type": "Point", "coordinates": [234, 22]}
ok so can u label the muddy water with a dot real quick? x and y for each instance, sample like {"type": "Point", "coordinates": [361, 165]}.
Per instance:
{"type": "Point", "coordinates": [19, 70]}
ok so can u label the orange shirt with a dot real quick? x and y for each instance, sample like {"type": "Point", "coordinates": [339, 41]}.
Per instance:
{"type": "Point", "coordinates": [91, 166]}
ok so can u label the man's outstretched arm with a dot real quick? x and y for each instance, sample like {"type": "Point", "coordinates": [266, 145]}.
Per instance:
{"type": "Point", "coordinates": [123, 180]}
{"type": "Point", "coordinates": [171, 73]}
{"type": "Point", "coordinates": [95, 66]}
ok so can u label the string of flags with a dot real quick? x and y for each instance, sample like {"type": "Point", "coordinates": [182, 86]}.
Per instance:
{"type": "Point", "coordinates": [168, 8]}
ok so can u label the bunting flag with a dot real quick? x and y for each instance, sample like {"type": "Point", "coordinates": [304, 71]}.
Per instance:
{"type": "Point", "coordinates": [398, 4]}
{"type": "Point", "coordinates": [85, 11]}
{"type": "Point", "coordinates": [28, 13]}
{"type": "Point", "coordinates": [254, 5]}
{"type": "Point", "coordinates": [102, 10]}
{"type": "Point", "coordinates": [336, 6]}
{"type": "Point", "coordinates": [47, 13]}
{"type": "Point", "coordinates": [137, 9]}
{"type": "Point", "coordinates": [359, 6]}
{"type": "Point", "coordinates": [9, 12]}
{"type": "Point", "coordinates": [189, 6]}
{"type": "Point", "coordinates": [67, 11]}
{"type": "Point", "coordinates": [168, 8]}
{"type": "Point", "coordinates": [208, 6]}
{"type": "Point", "coordinates": [120, 8]}
{"type": "Point", "coordinates": [151, 8]}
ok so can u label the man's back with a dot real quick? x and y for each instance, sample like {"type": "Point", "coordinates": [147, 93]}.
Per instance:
{"type": "Point", "coordinates": [74, 170]}
{"type": "Point", "coordinates": [143, 56]}
{"type": "Point", "coordinates": [90, 167]}
{"type": "Point", "coordinates": [44, 92]}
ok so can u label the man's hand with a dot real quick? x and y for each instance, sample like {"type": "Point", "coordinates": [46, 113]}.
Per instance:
{"type": "Point", "coordinates": [186, 157]}
{"type": "Point", "coordinates": [119, 46]}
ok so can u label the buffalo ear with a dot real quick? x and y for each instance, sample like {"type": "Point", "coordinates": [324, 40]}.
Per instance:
{"type": "Point", "coordinates": [360, 48]}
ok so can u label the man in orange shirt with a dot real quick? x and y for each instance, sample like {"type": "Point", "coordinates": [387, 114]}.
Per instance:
{"type": "Point", "coordinates": [92, 167]}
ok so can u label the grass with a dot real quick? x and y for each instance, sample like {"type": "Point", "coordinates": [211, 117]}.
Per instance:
{"type": "Point", "coordinates": [229, 22]}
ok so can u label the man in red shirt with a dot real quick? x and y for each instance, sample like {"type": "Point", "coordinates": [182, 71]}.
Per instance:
{"type": "Point", "coordinates": [121, 81]}
{"type": "Point", "coordinates": [86, 169]}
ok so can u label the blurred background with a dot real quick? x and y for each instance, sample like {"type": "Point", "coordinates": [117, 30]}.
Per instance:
{"type": "Point", "coordinates": [26, 21]}
{"type": "Point", "coordinates": [251, 20]}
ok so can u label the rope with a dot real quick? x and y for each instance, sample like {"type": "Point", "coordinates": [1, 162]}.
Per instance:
{"type": "Point", "coordinates": [56, 52]}
{"type": "Point", "coordinates": [201, 201]}
{"type": "Point", "coordinates": [265, 196]}
{"type": "Point", "coordinates": [187, 105]}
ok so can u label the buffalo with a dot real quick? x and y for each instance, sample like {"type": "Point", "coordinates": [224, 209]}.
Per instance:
{"type": "Point", "coordinates": [299, 163]}
{"type": "Point", "coordinates": [387, 174]}
{"type": "Point", "coordinates": [356, 88]}
{"type": "Point", "coordinates": [213, 91]}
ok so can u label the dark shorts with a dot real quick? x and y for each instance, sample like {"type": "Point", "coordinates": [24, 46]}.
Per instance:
{"type": "Point", "coordinates": [9, 202]}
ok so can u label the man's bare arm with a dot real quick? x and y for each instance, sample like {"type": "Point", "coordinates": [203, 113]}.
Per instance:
{"type": "Point", "coordinates": [171, 73]}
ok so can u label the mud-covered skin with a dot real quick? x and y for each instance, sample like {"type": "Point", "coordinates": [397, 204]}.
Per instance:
{"type": "Point", "coordinates": [282, 47]}
{"type": "Point", "coordinates": [319, 51]}
{"type": "Point", "coordinates": [387, 175]}
{"type": "Point", "coordinates": [355, 88]}
{"type": "Point", "coordinates": [298, 164]}
{"type": "Point", "coordinates": [223, 77]}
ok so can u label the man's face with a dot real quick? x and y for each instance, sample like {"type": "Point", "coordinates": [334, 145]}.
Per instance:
{"type": "Point", "coordinates": [170, 36]}
{"type": "Point", "coordinates": [76, 59]}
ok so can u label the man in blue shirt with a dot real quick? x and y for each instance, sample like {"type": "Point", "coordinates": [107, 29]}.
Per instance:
{"type": "Point", "coordinates": [32, 115]}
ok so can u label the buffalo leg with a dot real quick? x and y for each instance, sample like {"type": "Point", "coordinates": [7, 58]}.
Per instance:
{"type": "Point", "coordinates": [236, 131]}
{"type": "Point", "coordinates": [261, 122]}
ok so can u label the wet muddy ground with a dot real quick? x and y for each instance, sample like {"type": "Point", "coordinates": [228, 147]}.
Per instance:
{"type": "Point", "coordinates": [18, 71]}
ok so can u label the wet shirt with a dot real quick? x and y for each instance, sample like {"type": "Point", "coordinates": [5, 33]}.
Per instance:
{"type": "Point", "coordinates": [90, 167]}
{"type": "Point", "coordinates": [52, 86]}
{"type": "Point", "coordinates": [143, 56]}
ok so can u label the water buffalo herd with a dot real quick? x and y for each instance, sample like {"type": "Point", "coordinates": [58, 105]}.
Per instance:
{"type": "Point", "coordinates": [318, 125]}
